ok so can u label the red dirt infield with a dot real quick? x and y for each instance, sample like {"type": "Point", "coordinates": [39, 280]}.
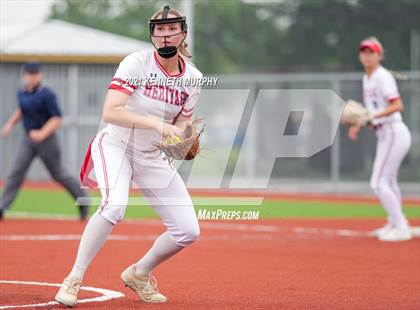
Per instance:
{"type": "Point", "coordinates": [265, 264]}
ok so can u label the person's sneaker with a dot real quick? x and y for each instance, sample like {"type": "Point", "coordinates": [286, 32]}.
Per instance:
{"type": "Point", "coordinates": [396, 234]}
{"type": "Point", "coordinates": [1, 214]}
{"type": "Point", "coordinates": [145, 287]}
{"type": "Point", "coordinates": [67, 294]}
{"type": "Point", "coordinates": [83, 212]}
{"type": "Point", "coordinates": [383, 230]}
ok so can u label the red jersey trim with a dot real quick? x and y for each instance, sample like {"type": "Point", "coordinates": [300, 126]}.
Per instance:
{"type": "Point", "coordinates": [120, 89]}
{"type": "Point", "coordinates": [391, 99]}
{"type": "Point", "coordinates": [123, 83]}
{"type": "Point", "coordinates": [187, 113]}
{"type": "Point", "coordinates": [187, 110]}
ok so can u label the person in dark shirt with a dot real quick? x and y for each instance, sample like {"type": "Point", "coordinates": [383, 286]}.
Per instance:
{"type": "Point", "coordinates": [41, 117]}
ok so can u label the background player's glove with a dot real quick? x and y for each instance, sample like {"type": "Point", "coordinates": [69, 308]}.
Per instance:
{"type": "Point", "coordinates": [354, 114]}
{"type": "Point", "coordinates": [187, 148]}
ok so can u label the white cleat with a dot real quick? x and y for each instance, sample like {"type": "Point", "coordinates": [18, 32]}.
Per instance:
{"type": "Point", "coordinates": [145, 287]}
{"type": "Point", "coordinates": [67, 294]}
{"type": "Point", "coordinates": [396, 234]}
{"type": "Point", "coordinates": [383, 230]}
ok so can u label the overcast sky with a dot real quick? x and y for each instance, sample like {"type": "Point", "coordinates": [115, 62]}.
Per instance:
{"type": "Point", "coordinates": [17, 16]}
{"type": "Point", "coordinates": [24, 12]}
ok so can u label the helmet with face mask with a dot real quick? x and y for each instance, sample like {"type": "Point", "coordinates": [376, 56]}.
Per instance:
{"type": "Point", "coordinates": [167, 51]}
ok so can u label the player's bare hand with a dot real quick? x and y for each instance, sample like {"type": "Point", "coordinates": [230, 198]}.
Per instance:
{"type": "Point", "coordinates": [353, 133]}
{"type": "Point", "coordinates": [168, 130]}
{"type": "Point", "coordinates": [172, 131]}
{"type": "Point", "coordinates": [36, 135]}
{"type": "Point", "coordinates": [5, 131]}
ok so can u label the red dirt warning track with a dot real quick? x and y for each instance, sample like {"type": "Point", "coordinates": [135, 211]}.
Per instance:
{"type": "Point", "coordinates": [268, 266]}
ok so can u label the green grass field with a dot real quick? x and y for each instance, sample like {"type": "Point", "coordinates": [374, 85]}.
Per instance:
{"type": "Point", "coordinates": [60, 203]}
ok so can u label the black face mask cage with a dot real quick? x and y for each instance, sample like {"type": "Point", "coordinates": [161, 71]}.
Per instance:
{"type": "Point", "coordinates": [154, 22]}
{"type": "Point", "coordinates": [165, 20]}
{"type": "Point", "coordinates": [167, 51]}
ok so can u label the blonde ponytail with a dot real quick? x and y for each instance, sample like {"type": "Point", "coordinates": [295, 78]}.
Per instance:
{"type": "Point", "coordinates": [184, 51]}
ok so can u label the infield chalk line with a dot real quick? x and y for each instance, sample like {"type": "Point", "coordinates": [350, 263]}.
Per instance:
{"type": "Point", "coordinates": [66, 237]}
{"type": "Point", "coordinates": [106, 294]}
{"type": "Point", "coordinates": [264, 236]}
{"type": "Point", "coordinates": [41, 216]}
{"type": "Point", "coordinates": [217, 226]}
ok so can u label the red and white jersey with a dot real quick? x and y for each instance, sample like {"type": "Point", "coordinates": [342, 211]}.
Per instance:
{"type": "Point", "coordinates": [136, 76]}
{"type": "Point", "coordinates": [378, 90]}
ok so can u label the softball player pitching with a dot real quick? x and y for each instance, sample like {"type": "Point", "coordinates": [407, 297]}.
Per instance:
{"type": "Point", "coordinates": [383, 101]}
{"type": "Point", "coordinates": [136, 116]}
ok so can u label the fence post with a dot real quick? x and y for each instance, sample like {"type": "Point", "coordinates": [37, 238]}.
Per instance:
{"type": "Point", "coordinates": [335, 148]}
{"type": "Point", "coordinates": [72, 144]}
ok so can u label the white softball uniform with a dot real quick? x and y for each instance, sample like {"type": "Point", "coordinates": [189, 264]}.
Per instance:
{"type": "Point", "coordinates": [160, 101]}
{"type": "Point", "coordinates": [393, 142]}
{"type": "Point", "coordinates": [121, 155]}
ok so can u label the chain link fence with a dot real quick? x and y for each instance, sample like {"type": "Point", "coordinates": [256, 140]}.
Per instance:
{"type": "Point", "coordinates": [81, 90]}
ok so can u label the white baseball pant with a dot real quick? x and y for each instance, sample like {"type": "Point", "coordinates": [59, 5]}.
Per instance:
{"type": "Point", "coordinates": [393, 144]}
{"type": "Point", "coordinates": [117, 163]}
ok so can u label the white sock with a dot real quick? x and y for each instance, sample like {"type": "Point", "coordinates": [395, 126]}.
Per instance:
{"type": "Point", "coordinates": [392, 204]}
{"type": "Point", "coordinates": [163, 248]}
{"type": "Point", "coordinates": [94, 236]}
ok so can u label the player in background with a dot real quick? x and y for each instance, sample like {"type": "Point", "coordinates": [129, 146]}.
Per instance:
{"type": "Point", "coordinates": [136, 116]}
{"type": "Point", "coordinates": [383, 100]}
{"type": "Point", "coordinates": [41, 117]}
